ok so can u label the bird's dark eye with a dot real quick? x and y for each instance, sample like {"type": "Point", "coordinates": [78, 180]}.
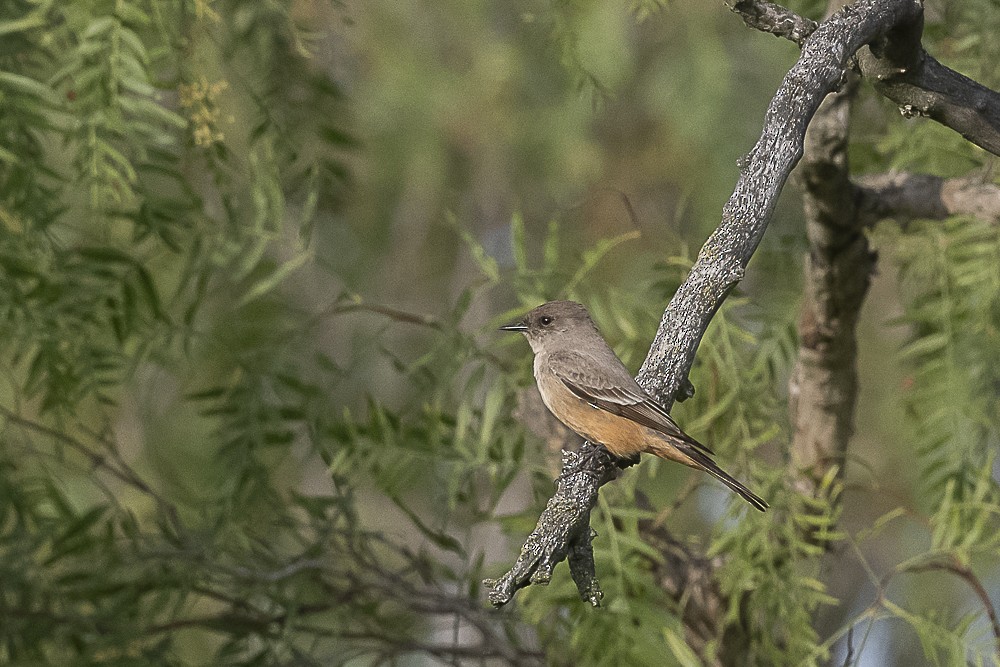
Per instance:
{"type": "Point", "coordinates": [545, 320]}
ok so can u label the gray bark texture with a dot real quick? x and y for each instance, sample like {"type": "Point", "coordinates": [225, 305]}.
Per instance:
{"type": "Point", "coordinates": [821, 69]}
{"type": "Point", "coordinates": [823, 385]}
{"type": "Point", "coordinates": [837, 278]}
{"type": "Point", "coordinates": [899, 68]}
{"type": "Point", "coordinates": [775, 19]}
{"type": "Point", "coordinates": [904, 196]}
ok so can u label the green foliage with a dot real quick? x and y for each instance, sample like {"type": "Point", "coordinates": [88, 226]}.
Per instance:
{"type": "Point", "coordinates": [952, 294]}
{"type": "Point", "coordinates": [950, 289]}
{"type": "Point", "coordinates": [775, 572]}
{"type": "Point", "coordinates": [115, 122]}
{"type": "Point", "coordinates": [109, 249]}
{"type": "Point", "coordinates": [774, 560]}
{"type": "Point", "coordinates": [218, 447]}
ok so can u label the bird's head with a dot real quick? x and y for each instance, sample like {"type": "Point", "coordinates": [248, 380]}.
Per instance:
{"type": "Point", "coordinates": [553, 325]}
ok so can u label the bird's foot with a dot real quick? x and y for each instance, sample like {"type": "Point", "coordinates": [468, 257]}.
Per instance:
{"type": "Point", "coordinates": [595, 456]}
{"type": "Point", "coordinates": [627, 461]}
{"type": "Point", "coordinates": [591, 459]}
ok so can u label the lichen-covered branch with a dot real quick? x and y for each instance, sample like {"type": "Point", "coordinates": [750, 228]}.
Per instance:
{"type": "Point", "coordinates": [921, 86]}
{"type": "Point", "coordinates": [563, 530]}
{"type": "Point", "coordinates": [564, 526]}
{"type": "Point", "coordinates": [775, 19]}
{"type": "Point", "coordinates": [823, 384]}
{"type": "Point", "coordinates": [898, 67]}
{"type": "Point", "coordinates": [821, 68]}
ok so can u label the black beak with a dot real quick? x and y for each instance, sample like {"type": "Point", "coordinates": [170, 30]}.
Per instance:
{"type": "Point", "coordinates": [515, 326]}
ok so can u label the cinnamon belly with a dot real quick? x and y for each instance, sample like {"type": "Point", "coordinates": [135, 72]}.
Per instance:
{"type": "Point", "coordinates": [622, 437]}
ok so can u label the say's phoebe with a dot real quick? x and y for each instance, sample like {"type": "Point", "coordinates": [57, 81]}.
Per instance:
{"type": "Point", "coordinates": [589, 389]}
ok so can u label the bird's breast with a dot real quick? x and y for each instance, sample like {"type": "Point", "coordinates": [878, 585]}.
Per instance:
{"type": "Point", "coordinates": [621, 436]}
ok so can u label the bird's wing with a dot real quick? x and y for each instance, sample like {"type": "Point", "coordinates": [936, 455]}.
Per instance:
{"type": "Point", "coordinates": [616, 392]}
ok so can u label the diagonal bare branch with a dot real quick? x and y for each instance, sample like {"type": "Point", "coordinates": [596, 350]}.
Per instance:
{"type": "Point", "coordinates": [563, 529]}
{"type": "Point", "coordinates": [898, 67]}
{"type": "Point", "coordinates": [822, 68]}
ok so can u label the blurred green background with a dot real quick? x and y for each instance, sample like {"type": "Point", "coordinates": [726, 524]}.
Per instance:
{"type": "Point", "coordinates": [255, 407]}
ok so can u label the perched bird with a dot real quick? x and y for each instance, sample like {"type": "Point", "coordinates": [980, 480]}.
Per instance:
{"type": "Point", "coordinates": [587, 387]}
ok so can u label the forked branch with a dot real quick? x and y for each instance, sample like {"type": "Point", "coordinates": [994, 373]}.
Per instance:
{"type": "Point", "coordinates": [828, 52]}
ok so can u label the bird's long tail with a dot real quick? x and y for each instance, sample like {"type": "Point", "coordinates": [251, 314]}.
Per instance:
{"type": "Point", "coordinates": [728, 480]}
{"type": "Point", "coordinates": [698, 459]}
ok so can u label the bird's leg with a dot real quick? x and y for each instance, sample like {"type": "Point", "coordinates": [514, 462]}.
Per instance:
{"type": "Point", "coordinates": [598, 450]}
{"type": "Point", "coordinates": [627, 461]}
{"type": "Point", "coordinates": [684, 391]}
{"type": "Point", "coordinates": [595, 456]}
{"type": "Point", "coordinates": [591, 455]}
{"type": "Point", "coordinates": [592, 459]}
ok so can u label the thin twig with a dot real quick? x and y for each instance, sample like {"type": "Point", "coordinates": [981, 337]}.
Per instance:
{"type": "Point", "coordinates": [964, 572]}
{"type": "Point", "coordinates": [96, 460]}
{"type": "Point", "coordinates": [355, 304]}
{"type": "Point", "coordinates": [121, 470]}
{"type": "Point", "coordinates": [775, 19]}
